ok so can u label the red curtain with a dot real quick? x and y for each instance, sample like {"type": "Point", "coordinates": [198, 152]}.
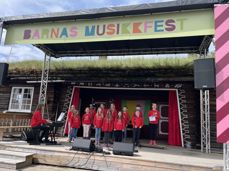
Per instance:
{"type": "Point", "coordinates": [75, 101]}
{"type": "Point", "coordinates": [174, 137]}
{"type": "Point", "coordinates": [76, 97]}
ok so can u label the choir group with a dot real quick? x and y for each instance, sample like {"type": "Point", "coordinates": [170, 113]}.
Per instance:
{"type": "Point", "coordinates": [112, 123]}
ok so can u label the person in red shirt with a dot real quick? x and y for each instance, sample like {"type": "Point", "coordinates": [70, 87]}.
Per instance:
{"type": "Point", "coordinates": [154, 117]}
{"type": "Point", "coordinates": [113, 110]}
{"type": "Point", "coordinates": [114, 116]}
{"type": "Point", "coordinates": [126, 118]}
{"type": "Point", "coordinates": [86, 120]}
{"type": "Point", "coordinates": [70, 113]}
{"type": "Point", "coordinates": [37, 122]}
{"type": "Point", "coordinates": [138, 108]}
{"type": "Point", "coordinates": [92, 112]}
{"type": "Point", "coordinates": [107, 127]}
{"type": "Point", "coordinates": [104, 110]}
{"type": "Point", "coordinates": [75, 123]}
{"type": "Point", "coordinates": [98, 123]}
{"type": "Point", "coordinates": [137, 123]}
{"type": "Point", "coordinates": [119, 126]}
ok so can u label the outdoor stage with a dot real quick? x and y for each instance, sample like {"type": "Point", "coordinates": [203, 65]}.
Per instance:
{"type": "Point", "coordinates": [169, 158]}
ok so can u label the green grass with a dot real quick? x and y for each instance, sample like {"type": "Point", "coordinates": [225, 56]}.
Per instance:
{"type": "Point", "coordinates": [136, 63]}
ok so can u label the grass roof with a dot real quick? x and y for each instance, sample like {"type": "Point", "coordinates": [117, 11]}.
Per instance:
{"type": "Point", "coordinates": [136, 63]}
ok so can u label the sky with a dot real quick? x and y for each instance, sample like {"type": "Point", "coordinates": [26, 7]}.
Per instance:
{"type": "Point", "coordinates": [28, 7]}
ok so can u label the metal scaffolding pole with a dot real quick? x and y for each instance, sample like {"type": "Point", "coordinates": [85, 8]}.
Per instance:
{"type": "Point", "coordinates": [226, 157]}
{"type": "Point", "coordinates": [205, 121]}
{"type": "Point", "coordinates": [44, 84]}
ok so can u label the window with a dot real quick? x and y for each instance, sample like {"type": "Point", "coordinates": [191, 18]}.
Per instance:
{"type": "Point", "coordinates": [21, 99]}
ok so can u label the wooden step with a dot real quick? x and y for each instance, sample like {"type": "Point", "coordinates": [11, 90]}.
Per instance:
{"type": "Point", "coordinates": [14, 159]}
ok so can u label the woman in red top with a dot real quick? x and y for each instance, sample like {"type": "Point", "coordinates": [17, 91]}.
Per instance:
{"type": "Point", "coordinates": [98, 122]}
{"type": "Point", "coordinates": [119, 126]}
{"type": "Point", "coordinates": [37, 122]}
{"type": "Point", "coordinates": [75, 123]}
{"type": "Point", "coordinates": [113, 110]}
{"type": "Point", "coordinates": [86, 120]}
{"type": "Point", "coordinates": [137, 123]}
{"type": "Point", "coordinates": [107, 126]}
{"type": "Point", "coordinates": [69, 116]}
{"type": "Point", "coordinates": [126, 118]}
{"type": "Point", "coordinates": [154, 117]}
{"type": "Point", "coordinates": [104, 110]}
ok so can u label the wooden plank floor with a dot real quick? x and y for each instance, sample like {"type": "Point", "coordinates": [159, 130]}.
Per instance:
{"type": "Point", "coordinates": [167, 158]}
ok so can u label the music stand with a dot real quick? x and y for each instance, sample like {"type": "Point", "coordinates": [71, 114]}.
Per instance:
{"type": "Point", "coordinates": [55, 126]}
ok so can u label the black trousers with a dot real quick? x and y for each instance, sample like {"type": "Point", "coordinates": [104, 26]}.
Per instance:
{"type": "Point", "coordinates": [45, 131]}
{"type": "Point", "coordinates": [136, 135]}
{"type": "Point", "coordinates": [153, 131]}
{"type": "Point", "coordinates": [107, 137]}
{"type": "Point", "coordinates": [118, 136]}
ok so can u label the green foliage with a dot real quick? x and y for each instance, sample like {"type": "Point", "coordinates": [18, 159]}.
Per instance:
{"type": "Point", "coordinates": [136, 63]}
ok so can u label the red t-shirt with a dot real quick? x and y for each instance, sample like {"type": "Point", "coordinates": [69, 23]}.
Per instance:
{"type": "Point", "coordinates": [86, 119]}
{"type": "Point", "coordinates": [37, 119]}
{"type": "Point", "coordinates": [137, 122]}
{"type": "Point", "coordinates": [92, 113]}
{"type": "Point", "coordinates": [107, 125]}
{"type": "Point", "coordinates": [98, 121]}
{"type": "Point", "coordinates": [75, 121]}
{"type": "Point", "coordinates": [104, 111]}
{"type": "Point", "coordinates": [70, 113]}
{"type": "Point", "coordinates": [119, 124]}
{"type": "Point", "coordinates": [114, 114]}
{"type": "Point", "coordinates": [126, 118]}
{"type": "Point", "coordinates": [156, 116]}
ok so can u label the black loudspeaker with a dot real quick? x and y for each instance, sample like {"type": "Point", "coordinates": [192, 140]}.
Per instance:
{"type": "Point", "coordinates": [83, 145]}
{"type": "Point", "coordinates": [123, 149]}
{"type": "Point", "coordinates": [204, 73]}
{"type": "Point", "coordinates": [3, 72]}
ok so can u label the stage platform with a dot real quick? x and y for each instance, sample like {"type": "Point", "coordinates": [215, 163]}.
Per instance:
{"type": "Point", "coordinates": [164, 158]}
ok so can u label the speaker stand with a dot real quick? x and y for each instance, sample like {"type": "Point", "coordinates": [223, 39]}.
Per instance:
{"type": "Point", "coordinates": [205, 120]}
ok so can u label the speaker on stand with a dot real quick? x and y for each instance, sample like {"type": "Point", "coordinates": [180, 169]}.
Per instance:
{"type": "Point", "coordinates": [204, 80]}
{"type": "Point", "coordinates": [204, 73]}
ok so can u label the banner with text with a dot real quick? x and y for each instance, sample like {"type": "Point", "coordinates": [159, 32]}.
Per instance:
{"type": "Point", "coordinates": [165, 25]}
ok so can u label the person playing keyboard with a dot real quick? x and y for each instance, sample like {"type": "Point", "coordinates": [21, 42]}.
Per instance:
{"type": "Point", "coordinates": [37, 122]}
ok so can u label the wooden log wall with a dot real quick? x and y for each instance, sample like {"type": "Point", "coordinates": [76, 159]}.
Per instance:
{"type": "Point", "coordinates": [5, 92]}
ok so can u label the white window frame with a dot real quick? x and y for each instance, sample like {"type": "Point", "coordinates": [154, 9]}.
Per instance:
{"type": "Point", "coordinates": [11, 97]}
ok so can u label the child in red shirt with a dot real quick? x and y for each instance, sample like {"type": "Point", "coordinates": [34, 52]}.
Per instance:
{"type": "Point", "coordinates": [154, 117]}
{"type": "Point", "coordinates": [104, 110]}
{"type": "Point", "coordinates": [75, 123]}
{"type": "Point", "coordinates": [107, 126]}
{"type": "Point", "coordinates": [98, 122]}
{"type": "Point", "coordinates": [92, 112]}
{"type": "Point", "coordinates": [69, 115]}
{"type": "Point", "coordinates": [137, 123]}
{"type": "Point", "coordinates": [126, 118]}
{"type": "Point", "coordinates": [119, 126]}
{"type": "Point", "coordinates": [86, 120]}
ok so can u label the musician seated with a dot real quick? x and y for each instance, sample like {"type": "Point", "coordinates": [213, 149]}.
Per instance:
{"type": "Point", "coordinates": [37, 122]}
